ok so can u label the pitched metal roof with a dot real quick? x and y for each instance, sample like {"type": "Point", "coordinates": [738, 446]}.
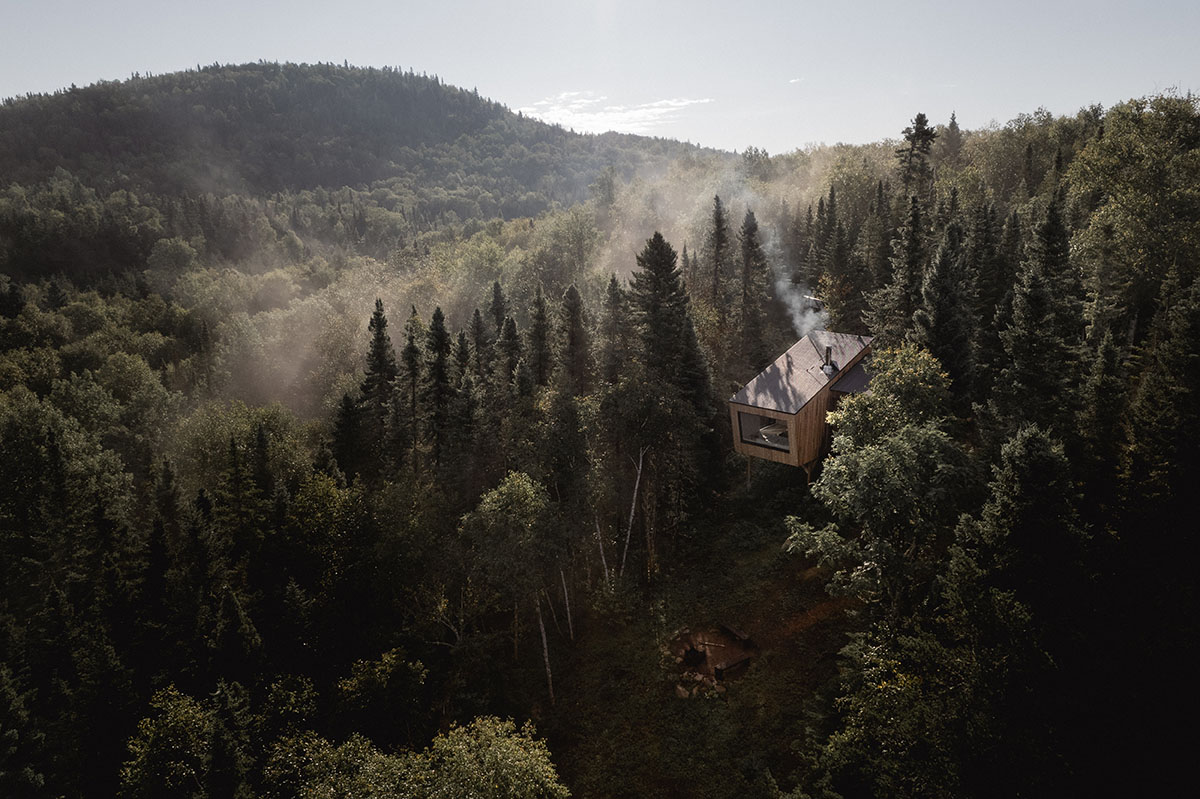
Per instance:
{"type": "Point", "coordinates": [796, 376]}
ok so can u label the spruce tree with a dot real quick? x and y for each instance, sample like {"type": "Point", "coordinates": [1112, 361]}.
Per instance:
{"type": "Point", "coordinates": [498, 309]}
{"type": "Point", "coordinates": [718, 251]}
{"type": "Point", "coordinates": [1102, 406]}
{"type": "Point", "coordinates": [508, 354]}
{"type": "Point", "coordinates": [460, 461]}
{"type": "Point", "coordinates": [913, 157]}
{"type": "Point", "coordinates": [1032, 384]}
{"type": "Point", "coordinates": [575, 358]}
{"type": "Point", "coordinates": [348, 437]}
{"type": "Point", "coordinates": [406, 410]}
{"type": "Point", "coordinates": [657, 296]}
{"type": "Point", "coordinates": [1015, 592]}
{"type": "Point", "coordinates": [481, 348]}
{"type": "Point", "coordinates": [1050, 248]}
{"type": "Point", "coordinates": [537, 344]}
{"type": "Point", "coordinates": [376, 390]}
{"type": "Point", "coordinates": [461, 360]}
{"type": "Point", "coordinates": [952, 141]}
{"type": "Point", "coordinates": [436, 391]}
{"type": "Point", "coordinates": [1163, 454]}
{"type": "Point", "coordinates": [613, 333]}
{"type": "Point", "coordinates": [994, 295]}
{"type": "Point", "coordinates": [942, 322]}
{"type": "Point", "coordinates": [564, 453]}
{"type": "Point", "coordinates": [753, 300]}
{"type": "Point", "coordinates": [892, 307]}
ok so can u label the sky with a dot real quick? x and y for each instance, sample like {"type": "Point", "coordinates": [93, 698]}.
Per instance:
{"type": "Point", "coordinates": [777, 75]}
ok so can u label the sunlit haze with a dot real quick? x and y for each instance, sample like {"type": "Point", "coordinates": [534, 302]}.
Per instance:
{"type": "Point", "coordinates": [777, 75]}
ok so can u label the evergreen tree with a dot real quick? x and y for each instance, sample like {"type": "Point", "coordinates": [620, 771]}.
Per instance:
{"type": "Point", "coordinates": [892, 307]}
{"type": "Point", "coordinates": [994, 295]}
{"type": "Point", "coordinates": [459, 465]}
{"type": "Point", "coordinates": [498, 309]}
{"type": "Point", "coordinates": [1015, 588]}
{"type": "Point", "coordinates": [657, 296]}
{"type": "Point", "coordinates": [481, 348]}
{"type": "Point", "coordinates": [1050, 248]}
{"type": "Point", "coordinates": [942, 323]}
{"type": "Point", "coordinates": [613, 333]}
{"type": "Point", "coordinates": [1157, 547]}
{"type": "Point", "coordinates": [405, 420]}
{"type": "Point", "coordinates": [436, 391]}
{"type": "Point", "coordinates": [1032, 386]}
{"type": "Point", "coordinates": [537, 344]}
{"type": "Point", "coordinates": [874, 245]}
{"type": "Point", "coordinates": [719, 257]}
{"type": "Point", "coordinates": [951, 142]}
{"type": "Point", "coordinates": [1163, 454]}
{"type": "Point", "coordinates": [461, 361]}
{"type": "Point", "coordinates": [913, 156]}
{"type": "Point", "coordinates": [1102, 404]}
{"type": "Point", "coordinates": [575, 358]}
{"type": "Point", "coordinates": [753, 299]}
{"type": "Point", "coordinates": [842, 283]}
{"type": "Point", "coordinates": [1029, 176]}
{"type": "Point", "coordinates": [381, 364]}
{"type": "Point", "coordinates": [508, 352]}
{"type": "Point", "coordinates": [20, 740]}
{"type": "Point", "coordinates": [376, 392]}
{"type": "Point", "coordinates": [348, 437]}
{"type": "Point", "coordinates": [564, 452]}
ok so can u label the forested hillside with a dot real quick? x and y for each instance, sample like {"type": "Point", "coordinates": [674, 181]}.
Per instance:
{"type": "Point", "coordinates": [164, 156]}
{"type": "Point", "coordinates": [360, 438]}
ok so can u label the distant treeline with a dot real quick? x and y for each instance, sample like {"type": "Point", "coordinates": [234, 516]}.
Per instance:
{"type": "Point", "coordinates": [119, 164]}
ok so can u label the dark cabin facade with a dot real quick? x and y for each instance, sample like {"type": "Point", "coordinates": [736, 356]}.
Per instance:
{"type": "Point", "coordinates": [780, 414]}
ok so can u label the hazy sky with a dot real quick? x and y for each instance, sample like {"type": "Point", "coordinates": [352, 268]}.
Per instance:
{"type": "Point", "coordinates": [773, 74]}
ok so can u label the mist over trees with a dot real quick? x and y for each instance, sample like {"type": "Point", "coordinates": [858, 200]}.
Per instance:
{"type": "Point", "coordinates": [363, 438]}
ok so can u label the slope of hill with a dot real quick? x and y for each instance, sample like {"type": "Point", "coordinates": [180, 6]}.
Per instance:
{"type": "Point", "coordinates": [116, 163]}
{"type": "Point", "coordinates": [261, 128]}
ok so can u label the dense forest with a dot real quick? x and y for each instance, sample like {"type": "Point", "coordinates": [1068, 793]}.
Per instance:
{"type": "Point", "coordinates": [362, 438]}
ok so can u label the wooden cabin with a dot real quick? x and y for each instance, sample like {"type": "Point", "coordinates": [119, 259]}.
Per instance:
{"type": "Point", "coordinates": [780, 414]}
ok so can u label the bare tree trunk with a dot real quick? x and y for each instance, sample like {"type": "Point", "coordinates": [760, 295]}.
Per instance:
{"type": "Point", "coordinates": [537, 603]}
{"type": "Point", "coordinates": [553, 615]}
{"type": "Point", "coordinates": [600, 541]}
{"type": "Point", "coordinates": [567, 602]}
{"type": "Point", "coordinates": [637, 482]}
{"type": "Point", "coordinates": [516, 632]}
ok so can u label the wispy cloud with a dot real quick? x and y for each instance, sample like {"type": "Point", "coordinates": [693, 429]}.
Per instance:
{"type": "Point", "coordinates": [591, 112]}
{"type": "Point", "coordinates": [796, 80]}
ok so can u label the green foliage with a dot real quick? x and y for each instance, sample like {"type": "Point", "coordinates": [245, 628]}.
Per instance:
{"type": "Point", "coordinates": [487, 758]}
{"type": "Point", "coordinates": [575, 356]}
{"type": "Point", "coordinates": [20, 740]}
{"type": "Point", "coordinates": [1137, 184]}
{"type": "Point", "coordinates": [908, 388]}
{"type": "Point", "coordinates": [509, 535]}
{"type": "Point", "coordinates": [369, 583]}
{"type": "Point", "coordinates": [491, 758]}
{"type": "Point", "coordinates": [172, 751]}
{"type": "Point", "coordinates": [913, 157]}
{"type": "Point", "coordinates": [942, 322]}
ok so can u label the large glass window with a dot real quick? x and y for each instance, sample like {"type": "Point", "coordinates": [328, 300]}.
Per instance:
{"type": "Point", "coordinates": [764, 431]}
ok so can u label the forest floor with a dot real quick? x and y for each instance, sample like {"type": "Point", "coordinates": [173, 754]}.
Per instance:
{"type": "Point", "coordinates": [620, 727]}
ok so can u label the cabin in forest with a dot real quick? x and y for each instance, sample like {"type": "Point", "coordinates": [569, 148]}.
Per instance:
{"type": "Point", "coordinates": [780, 414]}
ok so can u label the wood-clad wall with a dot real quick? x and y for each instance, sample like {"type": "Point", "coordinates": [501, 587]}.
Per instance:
{"type": "Point", "coordinates": [757, 450]}
{"type": "Point", "coordinates": [806, 428]}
